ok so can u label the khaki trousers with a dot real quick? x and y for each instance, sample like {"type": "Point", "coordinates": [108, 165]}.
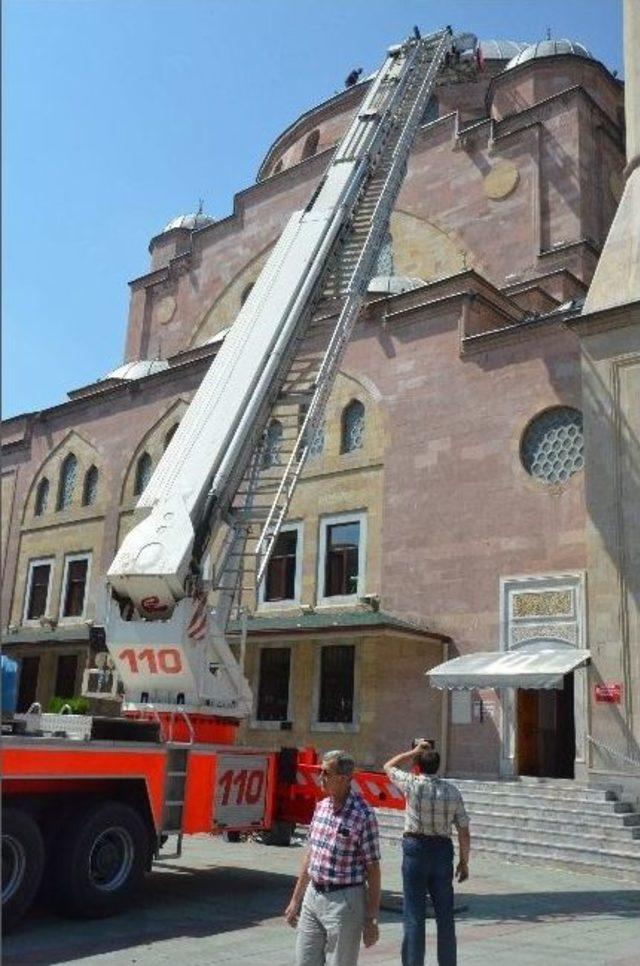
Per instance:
{"type": "Point", "coordinates": [330, 927]}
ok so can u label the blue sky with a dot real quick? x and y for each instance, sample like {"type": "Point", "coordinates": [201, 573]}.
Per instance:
{"type": "Point", "coordinates": [120, 114]}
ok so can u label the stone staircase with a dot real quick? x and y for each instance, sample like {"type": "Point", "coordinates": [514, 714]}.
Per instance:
{"type": "Point", "coordinates": [561, 823]}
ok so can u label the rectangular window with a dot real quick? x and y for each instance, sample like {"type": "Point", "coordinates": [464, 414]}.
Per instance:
{"type": "Point", "coordinates": [337, 664]}
{"type": "Point", "coordinates": [66, 674]}
{"type": "Point", "coordinates": [281, 572]}
{"type": "Point", "coordinates": [28, 683]}
{"type": "Point", "coordinates": [38, 583]}
{"type": "Point", "coordinates": [342, 559]}
{"type": "Point", "coordinates": [273, 684]}
{"type": "Point", "coordinates": [75, 586]}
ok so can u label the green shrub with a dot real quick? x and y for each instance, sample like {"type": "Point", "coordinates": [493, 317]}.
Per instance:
{"type": "Point", "coordinates": [77, 705]}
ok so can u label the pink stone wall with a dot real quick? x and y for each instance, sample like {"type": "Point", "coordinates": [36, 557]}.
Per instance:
{"type": "Point", "coordinates": [460, 511]}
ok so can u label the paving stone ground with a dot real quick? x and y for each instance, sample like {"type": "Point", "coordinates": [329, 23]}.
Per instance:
{"type": "Point", "coordinates": [222, 903]}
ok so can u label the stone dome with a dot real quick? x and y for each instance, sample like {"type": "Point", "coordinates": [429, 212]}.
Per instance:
{"type": "Point", "coordinates": [549, 48]}
{"type": "Point", "coordinates": [136, 370]}
{"type": "Point", "coordinates": [502, 49]}
{"type": "Point", "coordinates": [192, 222]}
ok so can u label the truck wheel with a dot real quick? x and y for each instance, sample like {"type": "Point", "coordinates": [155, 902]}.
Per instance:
{"type": "Point", "coordinates": [100, 860]}
{"type": "Point", "coordinates": [22, 864]}
{"type": "Point", "coordinates": [280, 833]}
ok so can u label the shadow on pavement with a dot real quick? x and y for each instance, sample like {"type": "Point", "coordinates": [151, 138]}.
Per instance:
{"type": "Point", "coordinates": [175, 902]}
{"type": "Point", "coordinates": [551, 906]}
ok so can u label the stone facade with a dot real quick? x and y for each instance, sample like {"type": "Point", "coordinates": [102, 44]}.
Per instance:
{"type": "Point", "coordinates": [509, 193]}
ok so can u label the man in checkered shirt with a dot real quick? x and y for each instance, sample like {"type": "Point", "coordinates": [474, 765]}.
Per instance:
{"type": "Point", "coordinates": [336, 898]}
{"type": "Point", "coordinates": [433, 806]}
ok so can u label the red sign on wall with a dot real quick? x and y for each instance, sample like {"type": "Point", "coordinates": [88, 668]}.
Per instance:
{"type": "Point", "coordinates": [608, 693]}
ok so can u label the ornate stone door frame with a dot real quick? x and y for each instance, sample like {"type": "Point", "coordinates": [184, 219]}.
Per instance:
{"type": "Point", "coordinates": [541, 612]}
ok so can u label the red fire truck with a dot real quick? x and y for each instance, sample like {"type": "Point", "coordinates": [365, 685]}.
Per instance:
{"type": "Point", "coordinates": [89, 801]}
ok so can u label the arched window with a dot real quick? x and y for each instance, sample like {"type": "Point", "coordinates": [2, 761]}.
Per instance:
{"type": "Point", "coordinates": [42, 496]}
{"type": "Point", "coordinates": [143, 474]}
{"type": "Point", "coordinates": [272, 444]}
{"type": "Point", "coordinates": [90, 486]}
{"type": "Point", "coordinates": [246, 292]}
{"type": "Point", "coordinates": [311, 145]}
{"type": "Point", "coordinates": [352, 427]}
{"type": "Point", "coordinates": [170, 434]}
{"type": "Point", "coordinates": [68, 476]}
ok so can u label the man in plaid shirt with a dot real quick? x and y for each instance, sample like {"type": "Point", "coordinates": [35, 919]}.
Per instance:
{"type": "Point", "coordinates": [336, 898]}
{"type": "Point", "coordinates": [433, 807]}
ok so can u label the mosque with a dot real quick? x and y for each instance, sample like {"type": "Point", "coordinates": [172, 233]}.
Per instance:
{"type": "Point", "coordinates": [475, 484]}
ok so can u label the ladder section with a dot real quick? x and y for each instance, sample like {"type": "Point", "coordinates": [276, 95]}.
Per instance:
{"type": "Point", "coordinates": [295, 418]}
{"type": "Point", "coordinates": [177, 760]}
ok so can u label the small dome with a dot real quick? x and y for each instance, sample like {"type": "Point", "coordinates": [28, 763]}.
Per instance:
{"type": "Point", "coordinates": [502, 49]}
{"type": "Point", "coordinates": [192, 222]}
{"type": "Point", "coordinates": [549, 48]}
{"type": "Point", "coordinates": [136, 370]}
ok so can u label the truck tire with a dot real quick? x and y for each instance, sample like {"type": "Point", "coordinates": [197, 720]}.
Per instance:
{"type": "Point", "coordinates": [280, 833]}
{"type": "Point", "coordinates": [22, 864]}
{"type": "Point", "coordinates": [100, 860]}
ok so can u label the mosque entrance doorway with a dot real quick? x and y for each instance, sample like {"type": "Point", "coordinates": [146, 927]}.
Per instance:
{"type": "Point", "coordinates": [545, 728]}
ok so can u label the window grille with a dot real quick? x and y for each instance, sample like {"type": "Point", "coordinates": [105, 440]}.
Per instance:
{"type": "Point", "coordinates": [552, 447]}
{"type": "Point", "coordinates": [337, 664]}
{"type": "Point", "coordinates": [353, 427]}
{"type": "Point", "coordinates": [66, 674]}
{"type": "Point", "coordinates": [90, 488]}
{"type": "Point", "coordinates": [68, 476]}
{"type": "Point", "coordinates": [42, 496]}
{"type": "Point", "coordinates": [273, 684]}
{"type": "Point", "coordinates": [144, 467]}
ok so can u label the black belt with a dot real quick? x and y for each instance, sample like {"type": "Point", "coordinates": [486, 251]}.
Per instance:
{"type": "Point", "coordinates": [333, 886]}
{"type": "Point", "coordinates": [423, 835]}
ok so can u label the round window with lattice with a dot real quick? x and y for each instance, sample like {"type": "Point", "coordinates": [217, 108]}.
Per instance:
{"type": "Point", "coordinates": [552, 447]}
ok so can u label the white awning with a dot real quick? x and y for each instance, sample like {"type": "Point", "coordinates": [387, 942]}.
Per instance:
{"type": "Point", "coordinates": [508, 669]}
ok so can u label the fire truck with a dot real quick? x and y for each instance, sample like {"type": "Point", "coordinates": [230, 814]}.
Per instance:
{"type": "Point", "coordinates": [90, 801]}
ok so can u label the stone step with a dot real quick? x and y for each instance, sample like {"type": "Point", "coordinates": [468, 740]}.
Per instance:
{"type": "Point", "coordinates": [540, 789]}
{"type": "Point", "coordinates": [626, 824]}
{"type": "Point", "coordinates": [604, 861]}
{"type": "Point", "coordinates": [574, 803]}
{"type": "Point", "coordinates": [616, 821]}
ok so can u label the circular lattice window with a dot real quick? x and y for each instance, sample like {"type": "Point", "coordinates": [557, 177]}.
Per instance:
{"type": "Point", "coordinates": [552, 447]}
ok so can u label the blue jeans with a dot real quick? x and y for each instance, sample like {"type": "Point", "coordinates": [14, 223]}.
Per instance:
{"type": "Point", "coordinates": [427, 867]}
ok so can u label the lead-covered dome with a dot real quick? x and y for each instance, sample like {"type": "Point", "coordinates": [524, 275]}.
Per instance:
{"type": "Point", "coordinates": [502, 49]}
{"type": "Point", "coordinates": [136, 370]}
{"type": "Point", "coordinates": [549, 48]}
{"type": "Point", "coordinates": [197, 219]}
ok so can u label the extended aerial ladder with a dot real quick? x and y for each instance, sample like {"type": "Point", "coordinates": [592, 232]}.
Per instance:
{"type": "Point", "coordinates": [226, 480]}
{"type": "Point", "coordinates": [91, 800]}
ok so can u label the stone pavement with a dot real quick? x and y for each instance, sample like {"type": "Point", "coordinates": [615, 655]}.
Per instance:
{"type": "Point", "coordinates": [222, 904]}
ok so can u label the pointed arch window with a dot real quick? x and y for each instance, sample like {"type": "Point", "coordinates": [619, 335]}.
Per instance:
{"type": "Point", "coordinates": [170, 434]}
{"type": "Point", "coordinates": [90, 486]}
{"type": "Point", "coordinates": [42, 496]}
{"type": "Point", "coordinates": [272, 444]}
{"type": "Point", "coordinates": [68, 476]}
{"type": "Point", "coordinates": [311, 144]}
{"type": "Point", "coordinates": [143, 474]}
{"type": "Point", "coordinates": [353, 427]}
